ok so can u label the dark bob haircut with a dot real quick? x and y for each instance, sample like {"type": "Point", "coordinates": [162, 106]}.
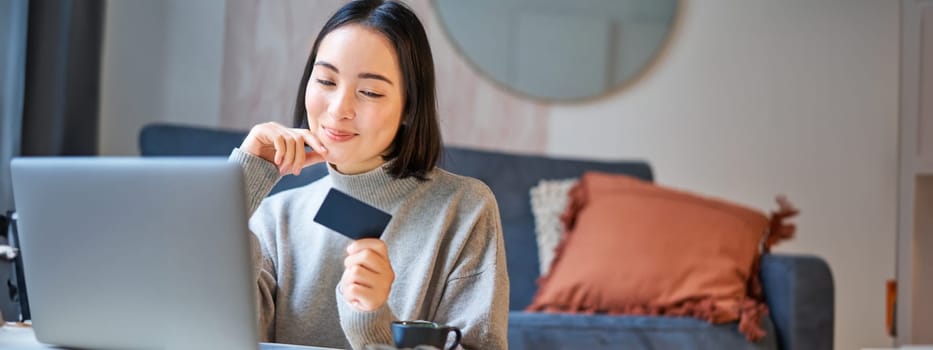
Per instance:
{"type": "Point", "coordinates": [417, 145]}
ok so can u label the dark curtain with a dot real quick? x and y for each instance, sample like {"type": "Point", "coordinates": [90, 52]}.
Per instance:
{"type": "Point", "coordinates": [13, 15]}
{"type": "Point", "coordinates": [63, 53]}
{"type": "Point", "coordinates": [56, 84]}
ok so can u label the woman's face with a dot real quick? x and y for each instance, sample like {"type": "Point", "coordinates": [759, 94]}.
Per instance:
{"type": "Point", "coordinates": [355, 97]}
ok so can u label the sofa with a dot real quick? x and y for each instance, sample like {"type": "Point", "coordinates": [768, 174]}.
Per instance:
{"type": "Point", "coordinates": [798, 289]}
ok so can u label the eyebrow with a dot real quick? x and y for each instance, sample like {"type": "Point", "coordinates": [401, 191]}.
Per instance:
{"type": "Point", "coordinates": [361, 75]}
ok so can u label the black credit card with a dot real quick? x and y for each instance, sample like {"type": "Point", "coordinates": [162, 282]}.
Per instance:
{"type": "Point", "coordinates": [351, 217]}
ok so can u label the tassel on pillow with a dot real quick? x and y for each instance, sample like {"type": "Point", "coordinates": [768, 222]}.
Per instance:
{"type": "Point", "coordinates": [754, 308]}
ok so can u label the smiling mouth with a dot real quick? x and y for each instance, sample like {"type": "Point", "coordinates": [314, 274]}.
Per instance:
{"type": "Point", "coordinates": [338, 135]}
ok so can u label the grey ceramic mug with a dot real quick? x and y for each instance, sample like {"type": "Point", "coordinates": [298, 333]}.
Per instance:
{"type": "Point", "coordinates": [409, 334]}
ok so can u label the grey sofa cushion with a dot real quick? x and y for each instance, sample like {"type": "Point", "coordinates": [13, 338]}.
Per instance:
{"type": "Point", "coordinates": [576, 331]}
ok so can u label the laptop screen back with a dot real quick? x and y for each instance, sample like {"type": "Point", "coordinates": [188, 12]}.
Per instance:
{"type": "Point", "coordinates": [136, 253]}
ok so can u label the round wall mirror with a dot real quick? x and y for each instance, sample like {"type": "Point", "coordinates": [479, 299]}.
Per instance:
{"type": "Point", "coordinates": [560, 50]}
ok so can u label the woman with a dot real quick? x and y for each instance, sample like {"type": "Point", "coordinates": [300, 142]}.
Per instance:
{"type": "Point", "coordinates": [367, 108]}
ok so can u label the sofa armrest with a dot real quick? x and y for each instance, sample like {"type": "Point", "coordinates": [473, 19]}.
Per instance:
{"type": "Point", "coordinates": [800, 294]}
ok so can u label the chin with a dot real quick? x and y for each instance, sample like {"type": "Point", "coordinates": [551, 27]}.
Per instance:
{"type": "Point", "coordinates": [337, 161]}
{"type": "Point", "coordinates": [339, 158]}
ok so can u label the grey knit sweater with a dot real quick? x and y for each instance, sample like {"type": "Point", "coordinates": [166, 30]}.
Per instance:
{"type": "Point", "coordinates": [444, 241]}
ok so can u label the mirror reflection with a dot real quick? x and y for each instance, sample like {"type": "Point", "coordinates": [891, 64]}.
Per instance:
{"type": "Point", "coordinates": [559, 49]}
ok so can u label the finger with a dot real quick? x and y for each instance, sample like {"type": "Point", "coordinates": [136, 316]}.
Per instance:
{"type": "Point", "coordinates": [316, 153]}
{"type": "Point", "coordinates": [352, 290]}
{"type": "Point", "coordinates": [299, 162]}
{"type": "Point", "coordinates": [363, 297]}
{"type": "Point", "coordinates": [357, 274]}
{"type": "Point", "coordinates": [364, 293]}
{"type": "Point", "coordinates": [369, 260]}
{"type": "Point", "coordinates": [347, 295]}
{"type": "Point", "coordinates": [344, 283]}
{"type": "Point", "coordinates": [290, 146]}
{"type": "Point", "coordinates": [311, 140]}
{"type": "Point", "coordinates": [377, 245]}
{"type": "Point", "coordinates": [279, 144]}
{"type": "Point", "coordinates": [355, 293]}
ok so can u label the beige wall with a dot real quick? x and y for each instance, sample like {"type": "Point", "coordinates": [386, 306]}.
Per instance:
{"type": "Point", "coordinates": [757, 98]}
{"type": "Point", "coordinates": [161, 63]}
{"type": "Point", "coordinates": [753, 98]}
{"type": "Point", "coordinates": [267, 45]}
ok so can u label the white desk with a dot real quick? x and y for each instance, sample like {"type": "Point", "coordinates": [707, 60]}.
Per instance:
{"type": "Point", "coordinates": [23, 338]}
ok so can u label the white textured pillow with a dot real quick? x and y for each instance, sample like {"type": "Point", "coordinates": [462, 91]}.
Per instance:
{"type": "Point", "coordinates": [548, 201]}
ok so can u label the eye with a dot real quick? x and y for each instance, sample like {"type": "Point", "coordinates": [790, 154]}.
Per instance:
{"type": "Point", "coordinates": [371, 94]}
{"type": "Point", "coordinates": [325, 82]}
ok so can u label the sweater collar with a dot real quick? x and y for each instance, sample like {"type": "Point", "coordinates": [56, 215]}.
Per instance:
{"type": "Point", "coordinates": [376, 187]}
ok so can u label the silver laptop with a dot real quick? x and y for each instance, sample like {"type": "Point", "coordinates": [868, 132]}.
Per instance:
{"type": "Point", "coordinates": [136, 253]}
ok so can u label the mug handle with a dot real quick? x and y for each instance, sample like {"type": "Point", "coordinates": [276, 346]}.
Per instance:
{"type": "Point", "coordinates": [457, 340]}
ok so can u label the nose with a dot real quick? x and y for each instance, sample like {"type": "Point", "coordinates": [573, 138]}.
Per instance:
{"type": "Point", "coordinates": [341, 105]}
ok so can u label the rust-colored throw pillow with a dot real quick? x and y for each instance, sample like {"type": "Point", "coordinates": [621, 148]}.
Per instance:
{"type": "Point", "coordinates": [633, 247]}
